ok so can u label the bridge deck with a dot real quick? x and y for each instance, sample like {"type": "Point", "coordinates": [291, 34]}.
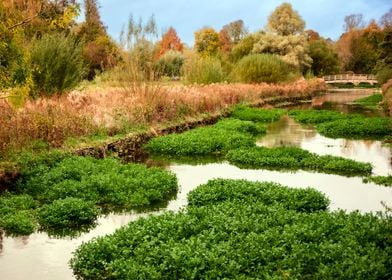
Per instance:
{"type": "Point", "coordinates": [350, 78]}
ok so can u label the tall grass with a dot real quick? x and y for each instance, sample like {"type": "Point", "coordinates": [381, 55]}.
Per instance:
{"type": "Point", "coordinates": [118, 107]}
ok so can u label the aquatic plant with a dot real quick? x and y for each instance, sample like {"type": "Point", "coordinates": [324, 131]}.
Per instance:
{"type": "Point", "coordinates": [217, 139]}
{"type": "Point", "coordinates": [292, 158]}
{"type": "Point", "coordinates": [316, 116]}
{"type": "Point", "coordinates": [256, 114]}
{"type": "Point", "coordinates": [239, 229]}
{"type": "Point", "coordinates": [379, 180]}
{"type": "Point", "coordinates": [370, 101]}
{"type": "Point", "coordinates": [357, 127]}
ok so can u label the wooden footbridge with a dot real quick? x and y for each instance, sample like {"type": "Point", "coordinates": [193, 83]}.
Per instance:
{"type": "Point", "coordinates": [355, 79]}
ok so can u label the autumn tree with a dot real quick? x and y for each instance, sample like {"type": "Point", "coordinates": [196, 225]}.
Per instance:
{"type": "Point", "coordinates": [235, 31]}
{"type": "Point", "coordinates": [285, 21]}
{"type": "Point", "coordinates": [386, 20]}
{"type": "Point", "coordinates": [170, 42]}
{"type": "Point", "coordinates": [325, 60]}
{"type": "Point", "coordinates": [207, 41]}
{"type": "Point", "coordinates": [285, 37]}
{"type": "Point", "coordinates": [225, 43]}
{"type": "Point", "coordinates": [353, 22]}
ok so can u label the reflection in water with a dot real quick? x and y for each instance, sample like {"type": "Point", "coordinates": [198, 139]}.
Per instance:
{"type": "Point", "coordinates": [287, 132]}
{"type": "Point", "coordinates": [41, 257]}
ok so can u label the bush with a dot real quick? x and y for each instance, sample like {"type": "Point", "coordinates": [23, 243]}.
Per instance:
{"type": "Point", "coordinates": [170, 64]}
{"type": "Point", "coordinates": [259, 68]}
{"type": "Point", "coordinates": [67, 213]}
{"type": "Point", "coordinates": [206, 70]}
{"type": "Point", "coordinates": [257, 115]}
{"type": "Point", "coordinates": [358, 127]}
{"type": "Point", "coordinates": [57, 63]}
{"type": "Point", "coordinates": [291, 158]}
{"type": "Point", "coordinates": [243, 230]}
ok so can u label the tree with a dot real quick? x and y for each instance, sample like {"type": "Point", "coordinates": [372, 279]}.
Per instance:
{"type": "Point", "coordinates": [170, 42]}
{"type": "Point", "coordinates": [243, 48]}
{"type": "Point", "coordinates": [235, 30]}
{"type": "Point", "coordinates": [207, 41]}
{"type": "Point", "coordinates": [386, 20]}
{"type": "Point", "coordinates": [225, 43]}
{"type": "Point", "coordinates": [285, 21]}
{"type": "Point", "coordinates": [353, 22]}
{"type": "Point", "coordinates": [325, 58]}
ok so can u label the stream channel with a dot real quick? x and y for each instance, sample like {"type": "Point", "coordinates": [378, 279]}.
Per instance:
{"type": "Point", "coordinates": [39, 256]}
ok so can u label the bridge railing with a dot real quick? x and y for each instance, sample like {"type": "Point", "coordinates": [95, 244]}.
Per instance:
{"type": "Point", "coordinates": [350, 77]}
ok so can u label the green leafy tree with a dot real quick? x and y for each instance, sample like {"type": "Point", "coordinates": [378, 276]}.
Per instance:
{"type": "Point", "coordinates": [325, 58]}
{"type": "Point", "coordinates": [243, 48]}
{"type": "Point", "coordinates": [207, 42]}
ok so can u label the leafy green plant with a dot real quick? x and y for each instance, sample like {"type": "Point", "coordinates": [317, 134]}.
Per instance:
{"type": "Point", "coordinates": [259, 68]}
{"type": "Point", "coordinates": [257, 115]}
{"type": "Point", "coordinates": [379, 180]}
{"type": "Point", "coordinates": [57, 63]}
{"type": "Point", "coordinates": [292, 158]}
{"type": "Point", "coordinates": [217, 139]}
{"type": "Point", "coordinates": [370, 101]}
{"type": "Point", "coordinates": [357, 127]}
{"type": "Point", "coordinates": [316, 116]}
{"type": "Point", "coordinates": [239, 229]}
{"type": "Point", "coordinates": [67, 213]}
{"type": "Point", "coordinates": [19, 223]}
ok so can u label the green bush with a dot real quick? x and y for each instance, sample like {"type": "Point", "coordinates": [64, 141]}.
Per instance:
{"type": "Point", "coordinates": [257, 115]}
{"type": "Point", "coordinates": [357, 127]}
{"type": "Point", "coordinates": [316, 116]}
{"type": "Point", "coordinates": [225, 135]}
{"type": "Point", "coordinates": [169, 64]}
{"type": "Point", "coordinates": [243, 230]}
{"type": "Point", "coordinates": [379, 180]}
{"type": "Point", "coordinates": [57, 63]}
{"type": "Point", "coordinates": [259, 68]}
{"type": "Point", "coordinates": [291, 158]}
{"type": "Point", "coordinates": [67, 213]}
{"type": "Point", "coordinates": [206, 70]}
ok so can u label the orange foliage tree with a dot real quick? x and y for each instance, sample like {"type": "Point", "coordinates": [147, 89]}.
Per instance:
{"type": "Point", "coordinates": [207, 41]}
{"type": "Point", "coordinates": [170, 42]}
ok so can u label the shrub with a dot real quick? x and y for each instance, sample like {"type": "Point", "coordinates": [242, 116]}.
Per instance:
{"type": "Point", "coordinates": [57, 64]}
{"type": "Point", "coordinates": [291, 158]}
{"type": "Point", "coordinates": [67, 213]}
{"type": "Point", "coordinates": [243, 230]}
{"type": "Point", "coordinates": [170, 64]}
{"type": "Point", "coordinates": [259, 68]}
{"type": "Point", "coordinates": [206, 70]}
{"type": "Point", "coordinates": [358, 127]}
{"type": "Point", "coordinates": [257, 115]}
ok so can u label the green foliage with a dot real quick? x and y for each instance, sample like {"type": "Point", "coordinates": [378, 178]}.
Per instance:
{"type": "Point", "coordinates": [259, 68]}
{"type": "Point", "coordinates": [257, 115]}
{"type": "Point", "coordinates": [316, 116]}
{"type": "Point", "coordinates": [57, 64]}
{"type": "Point", "coordinates": [384, 73]}
{"type": "Point", "coordinates": [170, 64]}
{"type": "Point", "coordinates": [200, 141]}
{"type": "Point", "coordinates": [370, 101]}
{"type": "Point", "coordinates": [67, 213]}
{"type": "Point", "coordinates": [291, 158]}
{"type": "Point", "coordinates": [243, 48]}
{"type": "Point", "coordinates": [380, 180]}
{"type": "Point", "coordinates": [325, 59]}
{"type": "Point", "coordinates": [205, 70]}
{"type": "Point", "coordinates": [243, 230]}
{"type": "Point", "coordinates": [107, 183]}
{"type": "Point", "coordinates": [235, 124]}
{"type": "Point", "coordinates": [357, 127]}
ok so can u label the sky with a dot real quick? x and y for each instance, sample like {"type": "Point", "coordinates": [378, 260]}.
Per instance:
{"type": "Point", "coordinates": [187, 16]}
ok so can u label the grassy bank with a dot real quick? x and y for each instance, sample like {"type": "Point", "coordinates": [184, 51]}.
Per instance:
{"type": "Point", "coordinates": [290, 158]}
{"type": "Point", "coordinates": [238, 229]}
{"type": "Point", "coordinates": [61, 192]}
{"type": "Point", "coordinates": [132, 107]}
{"type": "Point", "coordinates": [371, 101]}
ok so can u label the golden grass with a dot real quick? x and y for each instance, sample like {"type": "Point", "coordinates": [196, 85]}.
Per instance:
{"type": "Point", "coordinates": [387, 92]}
{"type": "Point", "coordinates": [115, 109]}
